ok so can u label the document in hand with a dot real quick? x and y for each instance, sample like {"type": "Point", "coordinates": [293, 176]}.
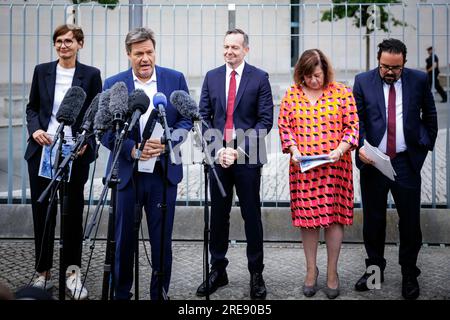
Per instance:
{"type": "Point", "coordinates": [381, 161]}
{"type": "Point", "coordinates": [47, 167]}
{"type": "Point", "coordinates": [309, 162]}
{"type": "Point", "coordinates": [148, 165]}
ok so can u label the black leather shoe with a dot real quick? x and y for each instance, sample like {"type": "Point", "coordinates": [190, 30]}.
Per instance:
{"type": "Point", "coordinates": [410, 287]}
{"type": "Point", "coordinates": [361, 285]}
{"type": "Point", "coordinates": [216, 279]}
{"type": "Point", "coordinates": [257, 286]}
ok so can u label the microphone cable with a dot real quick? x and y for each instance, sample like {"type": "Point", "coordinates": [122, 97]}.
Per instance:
{"type": "Point", "coordinates": [94, 239]}
{"type": "Point", "coordinates": [141, 239]}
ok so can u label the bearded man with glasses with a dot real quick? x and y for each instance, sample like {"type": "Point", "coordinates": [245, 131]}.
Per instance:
{"type": "Point", "coordinates": [397, 114]}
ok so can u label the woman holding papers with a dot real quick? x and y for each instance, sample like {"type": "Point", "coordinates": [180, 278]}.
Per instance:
{"type": "Point", "coordinates": [50, 83]}
{"type": "Point", "coordinates": [318, 117]}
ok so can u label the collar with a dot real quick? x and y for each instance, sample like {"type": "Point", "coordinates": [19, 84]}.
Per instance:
{"type": "Point", "coordinates": [239, 70]}
{"type": "Point", "coordinates": [152, 78]}
{"type": "Point", "coordinates": [396, 84]}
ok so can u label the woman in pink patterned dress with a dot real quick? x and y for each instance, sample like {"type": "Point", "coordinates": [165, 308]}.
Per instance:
{"type": "Point", "coordinates": [318, 117]}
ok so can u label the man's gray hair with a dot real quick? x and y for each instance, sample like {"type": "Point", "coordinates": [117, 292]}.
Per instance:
{"type": "Point", "coordinates": [239, 31]}
{"type": "Point", "coordinates": [139, 35]}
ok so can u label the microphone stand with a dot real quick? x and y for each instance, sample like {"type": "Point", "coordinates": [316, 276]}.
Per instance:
{"type": "Point", "coordinates": [167, 139]}
{"type": "Point", "coordinates": [63, 198]}
{"type": "Point", "coordinates": [112, 182]}
{"type": "Point", "coordinates": [137, 215]}
{"type": "Point", "coordinates": [138, 219]}
{"type": "Point", "coordinates": [167, 135]}
{"type": "Point", "coordinates": [63, 208]}
{"type": "Point", "coordinates": [208, 164]}
{"type": "Point", "coordinates": [108, 268]}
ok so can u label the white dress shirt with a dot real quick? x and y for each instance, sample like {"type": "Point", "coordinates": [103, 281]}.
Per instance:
{"type": "Point", "coordinates": [150, 90]}
{"type": "Point", "coordinates": [239, 70]}
{"type": "Point", "coordinates": [400, 144]}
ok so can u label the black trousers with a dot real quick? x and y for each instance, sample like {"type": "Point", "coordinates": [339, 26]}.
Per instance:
{"type": "Point", "coordinates": [247, 181]}
{"type": "Point", "coordinates": [437, 85]}
{"type": "Point", "coordinates": [44, 234]}
{"type": "Point", "coordinates": [406, 193]}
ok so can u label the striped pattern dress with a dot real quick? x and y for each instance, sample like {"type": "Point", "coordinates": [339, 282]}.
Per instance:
{"type": "Point", "coordinates": [323, 195]}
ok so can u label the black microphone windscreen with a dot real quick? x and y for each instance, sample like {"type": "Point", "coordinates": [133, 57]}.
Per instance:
{"type": "Point", "coordinates": [71, 105]}
{"type": "Point", "coordinates": [150, 125]}
{"type": "Point", "coordinates": [118, 103]}
{"type": "Point", "coordinates": [103, 117]}
{"type": "Point", "coordinates": [138, 100]}
{"type": "Point", "coordinates": [185, 105]}
{"type": "Point", "coordinates": [90, 113]}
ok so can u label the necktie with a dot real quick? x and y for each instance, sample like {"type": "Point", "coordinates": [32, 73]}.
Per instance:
{"type": "Point", "coordinates": [390, 147]}
{"type": "Point", "coordinates": [228, 130]}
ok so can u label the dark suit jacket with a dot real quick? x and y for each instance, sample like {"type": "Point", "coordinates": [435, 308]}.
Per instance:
{"type": "Point", "coordinates": [419, 113]}
{"type": "Point", "coordinates": [42, 93]}
{"type": "Point", "coordinates": [253, 107]}
{"type": "Point", "coordinates": [167, 81]}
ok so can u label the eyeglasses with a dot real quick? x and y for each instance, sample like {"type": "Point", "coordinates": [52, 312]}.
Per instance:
{"type": "Point", "coordinates": [394, 69]}
{"type": "Point", "coordinates": [67, 43]}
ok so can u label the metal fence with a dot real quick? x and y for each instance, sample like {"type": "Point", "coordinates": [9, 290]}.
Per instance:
{"type": "Point", "coordinates": [189, 38]}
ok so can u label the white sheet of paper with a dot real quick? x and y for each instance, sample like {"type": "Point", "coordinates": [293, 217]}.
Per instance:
{"type": "Point", "coordinates": [147, 166]}
{"type": "Point", "coordinates": [309, 162]}
{"type": "Point", "coordinates": [381, 161]}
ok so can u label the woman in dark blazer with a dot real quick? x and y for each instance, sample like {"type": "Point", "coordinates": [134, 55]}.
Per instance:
{"type": "Point", "coordinates": [50, 83]}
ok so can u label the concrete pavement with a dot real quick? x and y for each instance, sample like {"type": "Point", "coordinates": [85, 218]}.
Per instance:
{"type": "Point", "coordinates": [284, 271]}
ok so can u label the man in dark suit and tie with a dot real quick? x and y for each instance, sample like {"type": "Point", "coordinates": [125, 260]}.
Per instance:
{"type": "Point", "coordinates": [236, 100]}
{"type": "Point", "coordinates": [146, 75]}
{"type": "Point", "coordinates": [397, 114]}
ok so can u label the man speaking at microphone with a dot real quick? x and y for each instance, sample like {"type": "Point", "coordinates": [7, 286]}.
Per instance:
{"type": "Point", "coordinates": [146, 75]}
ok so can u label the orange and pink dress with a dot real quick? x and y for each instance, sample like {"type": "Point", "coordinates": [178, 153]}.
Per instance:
{"type": "Point", "coordinates": [322, 195]}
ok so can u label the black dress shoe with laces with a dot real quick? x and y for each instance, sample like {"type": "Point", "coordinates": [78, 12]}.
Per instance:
{"type": "Point", "coordinates": [410, 287]}
{"type": "Point", "coordinates": [216, 279]}
{"type": "Point", "coordinates": [257, 286]}
{"type": "Point", "coordinates": [361, 285]}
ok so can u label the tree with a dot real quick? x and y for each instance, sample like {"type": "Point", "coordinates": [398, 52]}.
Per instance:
{"type": "Point", "coordinates": [367, 15]}
{"type": "Point", "coordinates": [110, 3]}
{"type": "Point", "coordinates": [72, 10]}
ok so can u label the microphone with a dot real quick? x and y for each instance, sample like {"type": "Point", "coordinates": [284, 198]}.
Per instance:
{"type": "Point", "coordinates": [68, 110]}
{"type": "Point", "coordinates": [88, 123]}
{"type": "Point", "coordinates": [138, 103]}
{"type": "Point", "coordinates": [185, 105]}
{"type": "Point", "coordinates": [118, 104]}
{"type": "Point", "coordinates": [148, 130]}
{"type": "Point", "coordinates": [160, 103]}
{"type": "Point", "coordinates": [103, 117]}
{"type": "Point", "coordinates": [88, 120]}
